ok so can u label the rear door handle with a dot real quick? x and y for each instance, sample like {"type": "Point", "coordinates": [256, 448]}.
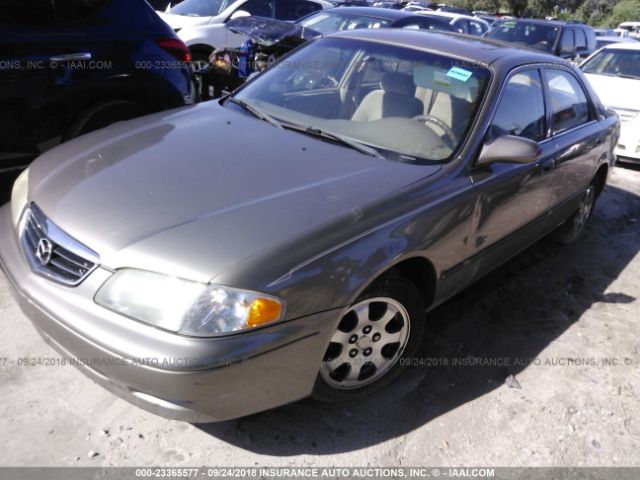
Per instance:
{"type": "Point", "coordinates": [71, 57]}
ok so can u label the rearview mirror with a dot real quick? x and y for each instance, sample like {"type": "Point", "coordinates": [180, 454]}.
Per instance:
{"type": "Point", "coordinates": [509, 149]}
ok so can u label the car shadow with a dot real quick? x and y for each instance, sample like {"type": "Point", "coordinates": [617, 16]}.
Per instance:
{"type": "Point", "coordinates": [513, 313]}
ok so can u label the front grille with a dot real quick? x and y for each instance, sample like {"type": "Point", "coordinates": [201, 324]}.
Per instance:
{"type": "Point", "coordinates": [52, 253]}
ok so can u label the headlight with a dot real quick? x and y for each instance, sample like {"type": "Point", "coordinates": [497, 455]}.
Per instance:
{"type": "Point", "coordinates": [19, 196]}
{"type": "Point", "coordinates": [186, 307]}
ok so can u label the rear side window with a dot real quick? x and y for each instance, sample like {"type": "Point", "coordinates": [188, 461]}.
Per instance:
{"type": "Point", "coordinates": [581, 39]}
{"type": "Point", "coordinates": [569, 104]}
{"type": "Point", "coordinates": [74, 11]}
{"type": "Point", "coordinates": [568, 39]}
{"type": "Point", "coordinates": [26, 13]}
{"type": "Point", "coordinates": [521, 109]}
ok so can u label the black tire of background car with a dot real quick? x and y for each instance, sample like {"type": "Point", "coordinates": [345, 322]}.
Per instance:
{"type": "Point", "coordinates": [103, 114]}
{"type": "Point", "coordinates": [394, 285]}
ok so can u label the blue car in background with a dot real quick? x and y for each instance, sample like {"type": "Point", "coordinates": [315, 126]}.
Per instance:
{"type": "Point", "coordinates": [68, 67]}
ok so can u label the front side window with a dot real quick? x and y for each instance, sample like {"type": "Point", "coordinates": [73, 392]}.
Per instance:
{"type": "Point", "coordinates": [409, 105]}
{"type": "Point", "coordinates": [476, 28]}
{"type": "Point", "coordinates": [258, 8]}
{"type": "Point", "coordinates": [521, 110]}
{"type": "Point", "coordinates": [569, 105]}
{"type": "Point", "coordinates": [581, 39]}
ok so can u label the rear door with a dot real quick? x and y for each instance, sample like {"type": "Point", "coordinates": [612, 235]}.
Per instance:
{"type": "Point", "coordinates": [579, 139]}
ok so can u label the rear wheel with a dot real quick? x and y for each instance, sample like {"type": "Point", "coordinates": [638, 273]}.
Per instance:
{"type": "Point", "coordinates": [575, 225]}
{"type": "Point", "coordinates": [103, 114]}
{"type": "Point", "coordinates": [383, 327]}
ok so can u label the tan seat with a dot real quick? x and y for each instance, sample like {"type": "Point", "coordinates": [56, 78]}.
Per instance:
{"type": "Point", "coordinates": [453, 111]}
{"type": "Point", "coordinates": [396, 98]}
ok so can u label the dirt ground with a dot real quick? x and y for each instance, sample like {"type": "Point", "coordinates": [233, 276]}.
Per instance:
{"type": "Point", "coordinates": [542, 368]}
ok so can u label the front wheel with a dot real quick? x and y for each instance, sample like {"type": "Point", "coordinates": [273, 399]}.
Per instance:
{"type": "Point", "coordinates": [373, 341]}
{"type": "Point", "coordinates": [575, 225]}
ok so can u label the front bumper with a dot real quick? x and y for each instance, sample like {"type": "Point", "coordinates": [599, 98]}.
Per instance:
{"type": "Point", "coordinates": [628, 147]}
{"type": "Point", "coordinates": [189, 379]}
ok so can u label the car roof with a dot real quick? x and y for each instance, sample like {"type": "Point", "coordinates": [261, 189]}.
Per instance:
{"type": "Point", "coordinates": [450, 15]}
{"type": "Point", "coordinates": [622, 45]}
{"type": "Point", "coordinates": [382, 13]}
{"type": "Point", "coordinates": [558, 23]}
{"type": "Point", "coordinates": [474, 49]}
{"type": "Point", "coordinates": [617, 39]}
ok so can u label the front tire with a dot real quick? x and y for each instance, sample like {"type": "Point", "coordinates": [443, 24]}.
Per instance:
{"type": "Point", "coordinates": [373, 340]}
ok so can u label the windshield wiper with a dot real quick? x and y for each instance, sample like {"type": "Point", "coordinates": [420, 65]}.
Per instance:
{"type": "Point", "coordinates": [256, 112]}
{"type": "Point", "coordinates": [316, 132]}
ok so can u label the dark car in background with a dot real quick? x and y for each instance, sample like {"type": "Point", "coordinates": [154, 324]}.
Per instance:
{"type": "Point", "coordinates": [68, 67]}
{"type": "Point", "coordinates": [270, 39]}
{"type": "Point", "coordinates": [568, 40]}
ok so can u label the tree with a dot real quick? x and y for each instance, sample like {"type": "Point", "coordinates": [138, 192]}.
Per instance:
{"type": "Point", "coordinates": [595, 12]}
{"type": "Point", "coordinates": [624, 11]}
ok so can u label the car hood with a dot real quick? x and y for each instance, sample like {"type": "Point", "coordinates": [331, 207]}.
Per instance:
{"type": "Point", "coordinates": [194, 191]}
{"type": "Point", "coordinates": [182, 21]}
{"type": "Point", "coordinates": [616, 92]}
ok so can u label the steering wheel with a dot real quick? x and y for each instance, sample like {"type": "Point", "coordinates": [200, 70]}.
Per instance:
{"type": "Point", "coordinates": [451, 136]}
{"type": "Point", "coordinates": [310, 80]}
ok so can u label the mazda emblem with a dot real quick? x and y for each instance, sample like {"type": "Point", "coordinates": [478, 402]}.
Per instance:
{"type": "Point", "coordinates": [44, 251]}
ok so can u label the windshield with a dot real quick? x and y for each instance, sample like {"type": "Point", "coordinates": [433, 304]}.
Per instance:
{"type": "Point", "coordinates": [407, 104]}
{"type": "Point", "coordinates": [542, 37]}
{"type": "Point", "coordinates": [617, 63]}
{"type": "Point", "coordinates": [199, 8]}
{"type": "Point", "coordinates": [330, 22]}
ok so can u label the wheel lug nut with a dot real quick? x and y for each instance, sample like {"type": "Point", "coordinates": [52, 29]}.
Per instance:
{"type": "Point", "coordinates": [376, 337]}
{"type": "Point", "coordinates": [367, 352]}
{"type": "Point", "coordinates": [353, 339]}
{"type": "Point", "coordinates": [367, 329]}
{"type": "Point", "coordinates": [353, 352]}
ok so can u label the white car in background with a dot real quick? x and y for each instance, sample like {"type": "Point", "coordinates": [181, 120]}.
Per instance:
{"type": "Point", "coordinates": [200, 23]}
{"type": "Point", "coordinates": [614, 73]}
{"type": "Point", "coordinates": [603, 41]}
{"type": "Point", "coordinates": [463, 23]}
{"type": "Point", "coordinates": [632, 27]}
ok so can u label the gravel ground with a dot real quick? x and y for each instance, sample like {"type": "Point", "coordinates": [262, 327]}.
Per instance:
{"type": "Point", "coordinates": [558, 327]}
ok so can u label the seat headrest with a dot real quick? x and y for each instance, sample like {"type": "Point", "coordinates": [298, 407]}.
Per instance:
{"type": "Point", "coordinates": [456, 82]}
{"type": "Point", "coordinates": [398, 83]}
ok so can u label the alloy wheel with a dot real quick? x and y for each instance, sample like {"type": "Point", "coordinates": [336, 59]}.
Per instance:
{"type": "Point", "coordinates": [369, 341]}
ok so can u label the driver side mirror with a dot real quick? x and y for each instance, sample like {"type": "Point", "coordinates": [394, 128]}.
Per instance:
{"type": "Point", "coordinates": [509, 149]}
{"type": "Point", "coordinates": [239, 14]}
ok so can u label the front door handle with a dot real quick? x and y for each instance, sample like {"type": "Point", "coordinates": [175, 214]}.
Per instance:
{"type": "Point", "coordinates": [71, 57]}
{"type": "Point", "coordinates": [548, 166]}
